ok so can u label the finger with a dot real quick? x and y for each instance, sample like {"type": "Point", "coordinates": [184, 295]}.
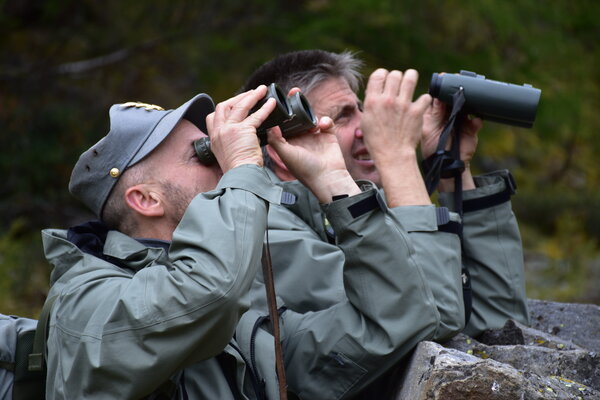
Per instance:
{"type": "Point", "coordinates": [439, 105]}
{"type": "Point", "coordinates": [222, 109]}
{"type": "Point", "coordinates": [210, 123]}
{"type": "Point", "coordinates": [325, 124]}
{"type": "Point", "coordinates": [473, 126]}
{"type": "Point", "coordinates": [274, 135]}
{"type": "Point", "coordinates": [392, 83]}
{"type": "Point", "coordinates": [422, 103]}
{"type": "Point", "coordinates": [376, 81]}
{"type": "Point", "coordinates": [276, 140]}
{"type": "Point", "coordinates": [260, 115]}
{"type": "Point", "coordinates": [293, 91]}
{"type": "Point", "coordinates": [409, 83]}
{"type": "Point", "coordinates": [241, 108]}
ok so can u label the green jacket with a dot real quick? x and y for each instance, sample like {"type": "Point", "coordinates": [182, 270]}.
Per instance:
{"type": "Point", "coordinates": [129, 316]}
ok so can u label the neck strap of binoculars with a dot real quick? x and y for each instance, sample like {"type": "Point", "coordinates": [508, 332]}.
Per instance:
{"type": "Point", "coordinates": [267, 269]}
{"type": "Point", "coordinates": [447, 163]}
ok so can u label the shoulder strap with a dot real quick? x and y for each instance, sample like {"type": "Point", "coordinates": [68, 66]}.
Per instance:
{"type": "Point", "coordinates": [37, 358]}
{"type": "Point", "coordinates": [274, 316]}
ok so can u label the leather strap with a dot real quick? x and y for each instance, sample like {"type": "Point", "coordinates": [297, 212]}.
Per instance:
{"type": "Point", "coordinates": [274, 316]}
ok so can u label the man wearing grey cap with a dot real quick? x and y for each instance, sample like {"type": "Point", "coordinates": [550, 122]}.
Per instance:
{"type": "Point", "coordinates": [130, 314]}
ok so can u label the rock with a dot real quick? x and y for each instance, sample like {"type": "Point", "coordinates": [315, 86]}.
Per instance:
{"type": "Point", "coordinates": [578, 323]}
{"type": "Point", "coordinates": [572, 363]}
{"type": "Point", "coordinates": [515, 333]}
{"type": "Point", "coordinates": [557, 358]}
{"type": "Point", "coordinates": [439, 373]}
{"type": "Point", "coordinates": [510, 333]}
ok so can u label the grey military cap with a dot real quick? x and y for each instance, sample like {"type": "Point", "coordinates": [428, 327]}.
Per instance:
{"type": "Point", "coordinates": [136, 129]}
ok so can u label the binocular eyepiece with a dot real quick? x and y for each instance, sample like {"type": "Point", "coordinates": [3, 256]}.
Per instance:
{"type": "Point", "coordinates": [292, 114]}
{"type": "Point", "coordinates": [496, 101]}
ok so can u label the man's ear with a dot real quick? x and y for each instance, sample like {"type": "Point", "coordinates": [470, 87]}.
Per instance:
{"type": "Point", "coordinates": [145, 201]}
{"type": "Point", "coordinates": [279, 166]}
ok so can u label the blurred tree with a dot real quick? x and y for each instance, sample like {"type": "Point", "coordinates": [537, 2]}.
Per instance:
{"type": "Point", "coordinates": [64, 62]}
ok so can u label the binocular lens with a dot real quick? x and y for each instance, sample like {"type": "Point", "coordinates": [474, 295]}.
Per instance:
{"type": "Point", "coordinates": [282, 111]}
{"type": "Point", "coordinates": [303, 119]}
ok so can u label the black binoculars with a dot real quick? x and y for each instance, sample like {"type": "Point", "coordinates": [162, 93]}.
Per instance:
{"type": "Point", "coordinates": [292, 114]}
{"type": "Point", "coordinates": [496, 101]}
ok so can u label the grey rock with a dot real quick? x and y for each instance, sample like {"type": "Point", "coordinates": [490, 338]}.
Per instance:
{"type": "Point", "coordinates": [578, 323]}
{"type": "Point", "coordinates": [558, 357]}
{"type": "Point", "coordinates": [439, 373]}
{"type": "Point", "coordinates": [571, 363]}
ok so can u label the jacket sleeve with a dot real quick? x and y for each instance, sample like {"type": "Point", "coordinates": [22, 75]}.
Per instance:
{"type": "Point", "coordinates": [387, 309]}
{"type": "Point", "coordinates": [120, 335]}
{"type": "Point", "coordinates": [493, 254]}
{"type": "Point", "coordinates": [434, 236]}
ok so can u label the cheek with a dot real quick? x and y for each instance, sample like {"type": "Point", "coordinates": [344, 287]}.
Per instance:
{"type": "Point", "coordinates": [345, 137]}
{"type": "Point", "coordinates": [210, 178]}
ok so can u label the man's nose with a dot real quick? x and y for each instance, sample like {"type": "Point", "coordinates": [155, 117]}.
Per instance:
{"type": "Point", "coordinates": [358, 133]}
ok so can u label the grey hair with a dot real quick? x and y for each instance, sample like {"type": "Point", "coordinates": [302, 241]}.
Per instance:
{"type": "Point", "coordinates": [307, 69]}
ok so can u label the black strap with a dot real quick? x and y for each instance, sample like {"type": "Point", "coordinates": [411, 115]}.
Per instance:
{"type": "Point", "coordinates": [37, 358]}
{"type": "Point", "coordinates": [364, 206]}
{"type": "Point", "coordinates": [447, 164]}
{"type": "Point", "coordinates": [467, 293]}
{"type": "Point", "coordinates": [488, 201]}
{"type": "Point", "coordinates": [442, 163]}
{"type": "Point", "coordinates": [228, 366]}
{"type": "Point", "coordinates": [7, 365]}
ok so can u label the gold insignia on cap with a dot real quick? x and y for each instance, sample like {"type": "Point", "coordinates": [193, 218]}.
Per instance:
{"type": "Point", "coordinates": [114, 172]}
{"type": "Point", "coordinates": [145, 106]}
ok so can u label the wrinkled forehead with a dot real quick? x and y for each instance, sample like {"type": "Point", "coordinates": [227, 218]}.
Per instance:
{"type": "Point", "coordinates": [332, 96]}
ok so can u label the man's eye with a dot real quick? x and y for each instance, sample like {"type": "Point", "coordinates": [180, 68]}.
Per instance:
{"type": "Point", "coordinates": [344, 115]}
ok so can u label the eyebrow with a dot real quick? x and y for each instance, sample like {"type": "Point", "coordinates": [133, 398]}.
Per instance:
{"type": "Point", "coordinates": [335, 111]}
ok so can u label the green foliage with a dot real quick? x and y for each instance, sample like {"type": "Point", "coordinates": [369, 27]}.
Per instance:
{"type": "Point", "coordinates": [64, 62]}
{"type": "Point", "coordinates": [24, 274]}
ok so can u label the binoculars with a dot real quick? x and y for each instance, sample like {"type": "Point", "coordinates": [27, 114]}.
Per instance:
{"type": "Point", "coordinates": [293, 114]}
{"type": "Point", "coordinates": [495, 101]}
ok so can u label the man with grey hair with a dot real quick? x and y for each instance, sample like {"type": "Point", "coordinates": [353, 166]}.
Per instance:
{"type": "Point", "coordinates": [370, 139]}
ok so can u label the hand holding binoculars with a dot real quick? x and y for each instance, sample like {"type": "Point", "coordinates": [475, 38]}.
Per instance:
{"type": "Point", "coordinates": [292, 114]}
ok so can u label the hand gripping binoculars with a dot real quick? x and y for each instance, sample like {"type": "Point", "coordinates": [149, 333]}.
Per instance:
{"type": "Point", "coordinates": [495, 101]}
{"type": "Point", "coordinates": [293, 114]}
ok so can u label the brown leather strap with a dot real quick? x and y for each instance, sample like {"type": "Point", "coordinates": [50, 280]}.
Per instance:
{"type": "Point", "coordinates": [274, 317]}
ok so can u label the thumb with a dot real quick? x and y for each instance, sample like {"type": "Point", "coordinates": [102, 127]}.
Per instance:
{"type": "Point", "coordinates": [325, 124]}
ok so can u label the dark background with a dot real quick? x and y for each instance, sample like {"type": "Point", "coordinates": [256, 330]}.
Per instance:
{"type": "Point", "coordinates": [63, 63]}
